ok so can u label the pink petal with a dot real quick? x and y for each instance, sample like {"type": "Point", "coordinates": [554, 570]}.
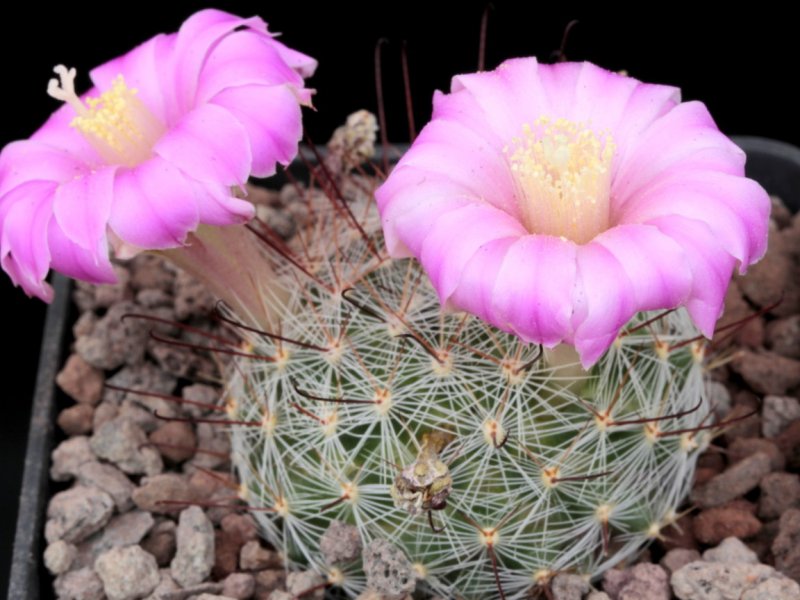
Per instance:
{"type": "Point", "coordinates": [410, 201]}
{"type": "Point", "coordinates": [508, 97]}
{"type": "Point", "coordinates": [25, 213]}
{"type": "Point", "coordinates": [81, 208]}
{"type": "Point", "coordinates": [58, 133]}
{"type": "Point", "coordinates": [272, 120]}
{"type": "Point", "coordinates": [154, 205]}
{"type": "Point", "coordinates": [685, 138]}
{"type": "Point", "coordinates": [735, 208]}
{"type": "Point", "coordinates": [605, 299]}
{"type": "Point", "coordinates": [244, 58]}
{"type": "Point", "coordinates": [146, 68]}
{"type": "Point", "coordinates": [653, 263]}
{"type": "Point", "coordinates": [475, 290]}
{"type": "Point", "coordinates": [70, 259]}
{"type": "Point", "coordinates": [303, 64]}
{"type": "Point", "coordinates": [196, 39]}
{"type": "Point", "coordinates": [710, 265]}
{"type": "Point", "coordinates": [216, 205]}
{"type": "Point", "coordinates": [210, 145]}
{"type": "Point", "coordinates": [533, 290]}
{"type": "Point", "coordinates": [455, 237]}
{"type": "Point", "coordinates": [32, 160]}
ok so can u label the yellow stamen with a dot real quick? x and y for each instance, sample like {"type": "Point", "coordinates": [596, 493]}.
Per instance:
{"type": "Point", "coordinates": [117, 124]}
{"type": "Point", "coordinates": [563, 174]}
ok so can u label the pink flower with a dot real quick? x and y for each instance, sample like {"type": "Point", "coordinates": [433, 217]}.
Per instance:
{"type": "Point", "coordinates": [180, 121]}
{"type": "Point", "coordinates": [556, 201]}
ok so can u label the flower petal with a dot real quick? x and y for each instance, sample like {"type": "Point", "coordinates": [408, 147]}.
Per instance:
{"type": "Point", "coordinates": [455, 236]}
{"type": "Point", "coordinates": [244, 58]}
{"type": "Point", "coordinates": [154, 205]}
{"type": "Point", "coordinates": [735, 208]}
{"type": "Point", "coordinates": [146, 69]}
{"type": "Point", "coordinates": [272, 120]}
{"type": "Point", "coordinates": [711, 267]}
{"type": "Point", "coordinates": [25, 214]}
{"type": "Point", "coordinates": [533, 291]}
{"type": "Point", "coordinates": [70, 259]}
{"type": "Point", "coordinates": [196, 38]}
{"type": "Point", "coordinates": [32, 160]}
{"type": "Point", "coordinates": [654, 264]}
{"type": "Point", "coordinates": [81, 208]}
{"type": "Point", "coordinates": [210, 145]}
{"type": "Point", "coordinates": [604, 301]}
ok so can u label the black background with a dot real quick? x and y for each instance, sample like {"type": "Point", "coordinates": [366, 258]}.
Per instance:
{"type": "Point", "coordinates": [743, 64]}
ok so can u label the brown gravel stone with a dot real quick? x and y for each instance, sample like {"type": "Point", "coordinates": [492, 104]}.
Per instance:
{"type": "Point", "coordinates": [205, 484]}
{"type": "Point", "coordinates": [786, 546]}
{"type": "Point", "coordinates": [789, 443]}
{"type": "Point", "coordinates": [761, 543]}
{"type": "Point", "coordinates": [779, 492]}
{"type": "Point", "coordinates": [160, 542]}
{"type": "Point", "coordinates": [167, 486]}
{"type": "Point", "coordinates": [81, 381]}
{"type": "Point", "coordinates": [713, 525]}
{"type": "Point", "coordinates": [783, 336]}
{"type": "Point", "coordinates": [767, 372]}
{"type": "Point", "coordinates": [703, 475]}
{"type": "Point", "coordinates": [744, 426]}
{"type": "Point", "coordinates": [175, 440]}
{"type": "Point", "coordinates": [741, 448]}
{"type": "Point", "coordinates": [678, 557]}
{"type": "Point", "coordinates": [267, 581]}
{"type": "Point", "coordinates": [226, 553]}
{"type": "Point", "coordinates": [680, 535]}
{"type": "Point", "coordinates": [253, 557]}
{"type": "Point", "coordinates": [241, 525]}
{"type": "Point", "coordinates": [737, 480]}
{"type": "Point", "coordinates": [104, 413]}
{"type": "Point", "coordinates": [77, 419]}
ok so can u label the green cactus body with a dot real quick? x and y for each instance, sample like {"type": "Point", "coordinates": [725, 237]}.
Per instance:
{"type": "Point", "coordinates": [549, 471]}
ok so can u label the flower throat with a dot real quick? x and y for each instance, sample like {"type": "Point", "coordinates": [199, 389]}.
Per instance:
{"type": "Point", "coordinates": [562, 171]}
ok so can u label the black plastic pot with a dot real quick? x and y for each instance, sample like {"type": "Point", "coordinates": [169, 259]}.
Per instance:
{"type": "Point", "coordinates": [776, 165]}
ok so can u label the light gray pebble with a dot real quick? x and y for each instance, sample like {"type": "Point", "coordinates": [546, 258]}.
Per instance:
{"type": "Point", "coordinates": [212, 597]}
{"type": "Point", "coordinates": [731, 550]}
{"type": "Point", "coordinates": [123, 443]}
{"type": "Point", "coordinates": [194, 557]}
{"type": "Point", "coordinates": [702, 580]}
{"type": "Point", "coordinates": [677, 558]}
{"type": "Point", "coordinates": [146, 377]}
{"type": "Point", "coordinates": [82, 584]}
{"type": "Point", "coordinates": [736, 480]}
{"type": "Point", "coordinates": [201, 393]}
{"type": "Point", "coordinates": [113, 341]}
{"type": "Point", "coordinates": [214, 439]}
{"type": "Point", "coordinates": [567, 586]}
{"type": "Point", "coordinates": [104, 412]}
{"type": "Point", "coordinates": [76, 513]}
{"type": "Point", "coordinates": [341, 543]}
{"type": "Point", "coordinates": [777, 413]}
{"type": "Point", "coordinates": [192, 299]}
{"type": "Point", "coordinates": [121, 531]}
{"type": "Point", "coordinates": [776, 588]}
{"type": "Point", "coordinates": [127, 573]}
{"type": "Point", "coordinates": [111, 480]}
{"type": "Point", "coordinates": [69, 456]}
{"type": "Point", "coordinates": [239, 586]}
{"type": "Point", "coordinates": [166, 588]}
{"type": "Point", "coordinates": [388, 570]}
{"type": "Point", "coordinates": [58, 557]}
{"type": "Point", "coordinates": [300, 584]}
{"type": "Point", "coordinates": [598, 596]}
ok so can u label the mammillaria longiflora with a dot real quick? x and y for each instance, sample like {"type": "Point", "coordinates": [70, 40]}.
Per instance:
{"type": "Point", "coordinates": [489, 452]}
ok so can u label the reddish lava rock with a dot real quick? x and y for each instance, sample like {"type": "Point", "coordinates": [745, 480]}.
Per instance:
{"type": "Point", "coordinates": [713, 525]}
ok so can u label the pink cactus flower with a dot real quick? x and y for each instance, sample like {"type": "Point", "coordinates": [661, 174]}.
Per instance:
{"type": "Point", "coordinates": [557, 201]}
{"type": "Point", "coordinates": [152, 151]}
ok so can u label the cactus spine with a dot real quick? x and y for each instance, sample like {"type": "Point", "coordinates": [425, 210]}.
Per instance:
{"type": "Point", "coordinates": [492, 466]}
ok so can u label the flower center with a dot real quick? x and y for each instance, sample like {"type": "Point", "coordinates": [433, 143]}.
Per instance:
{"type": "Point", "coordinates": [117, 124]}
{"type": "Point", "coordinates": [563, 173]}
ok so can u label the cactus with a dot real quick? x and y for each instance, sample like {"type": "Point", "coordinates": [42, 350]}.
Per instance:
{"type": "Point", "coordinates": [492, 464]}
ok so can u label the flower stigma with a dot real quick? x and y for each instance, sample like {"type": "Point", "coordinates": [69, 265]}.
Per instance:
{"type": "Point", "coordinates": [562, 171]}
{"type": "Point", "coordinates": [117, 124]}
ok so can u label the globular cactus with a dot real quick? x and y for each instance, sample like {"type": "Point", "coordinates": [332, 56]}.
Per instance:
{"type": "Point", "coordinates": [493, 465]}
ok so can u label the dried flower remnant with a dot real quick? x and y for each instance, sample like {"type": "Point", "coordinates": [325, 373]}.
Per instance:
{"type": "Point", "coordinates": [156, 149]}
{"type": "Point", "coordinates": [557, 201]}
